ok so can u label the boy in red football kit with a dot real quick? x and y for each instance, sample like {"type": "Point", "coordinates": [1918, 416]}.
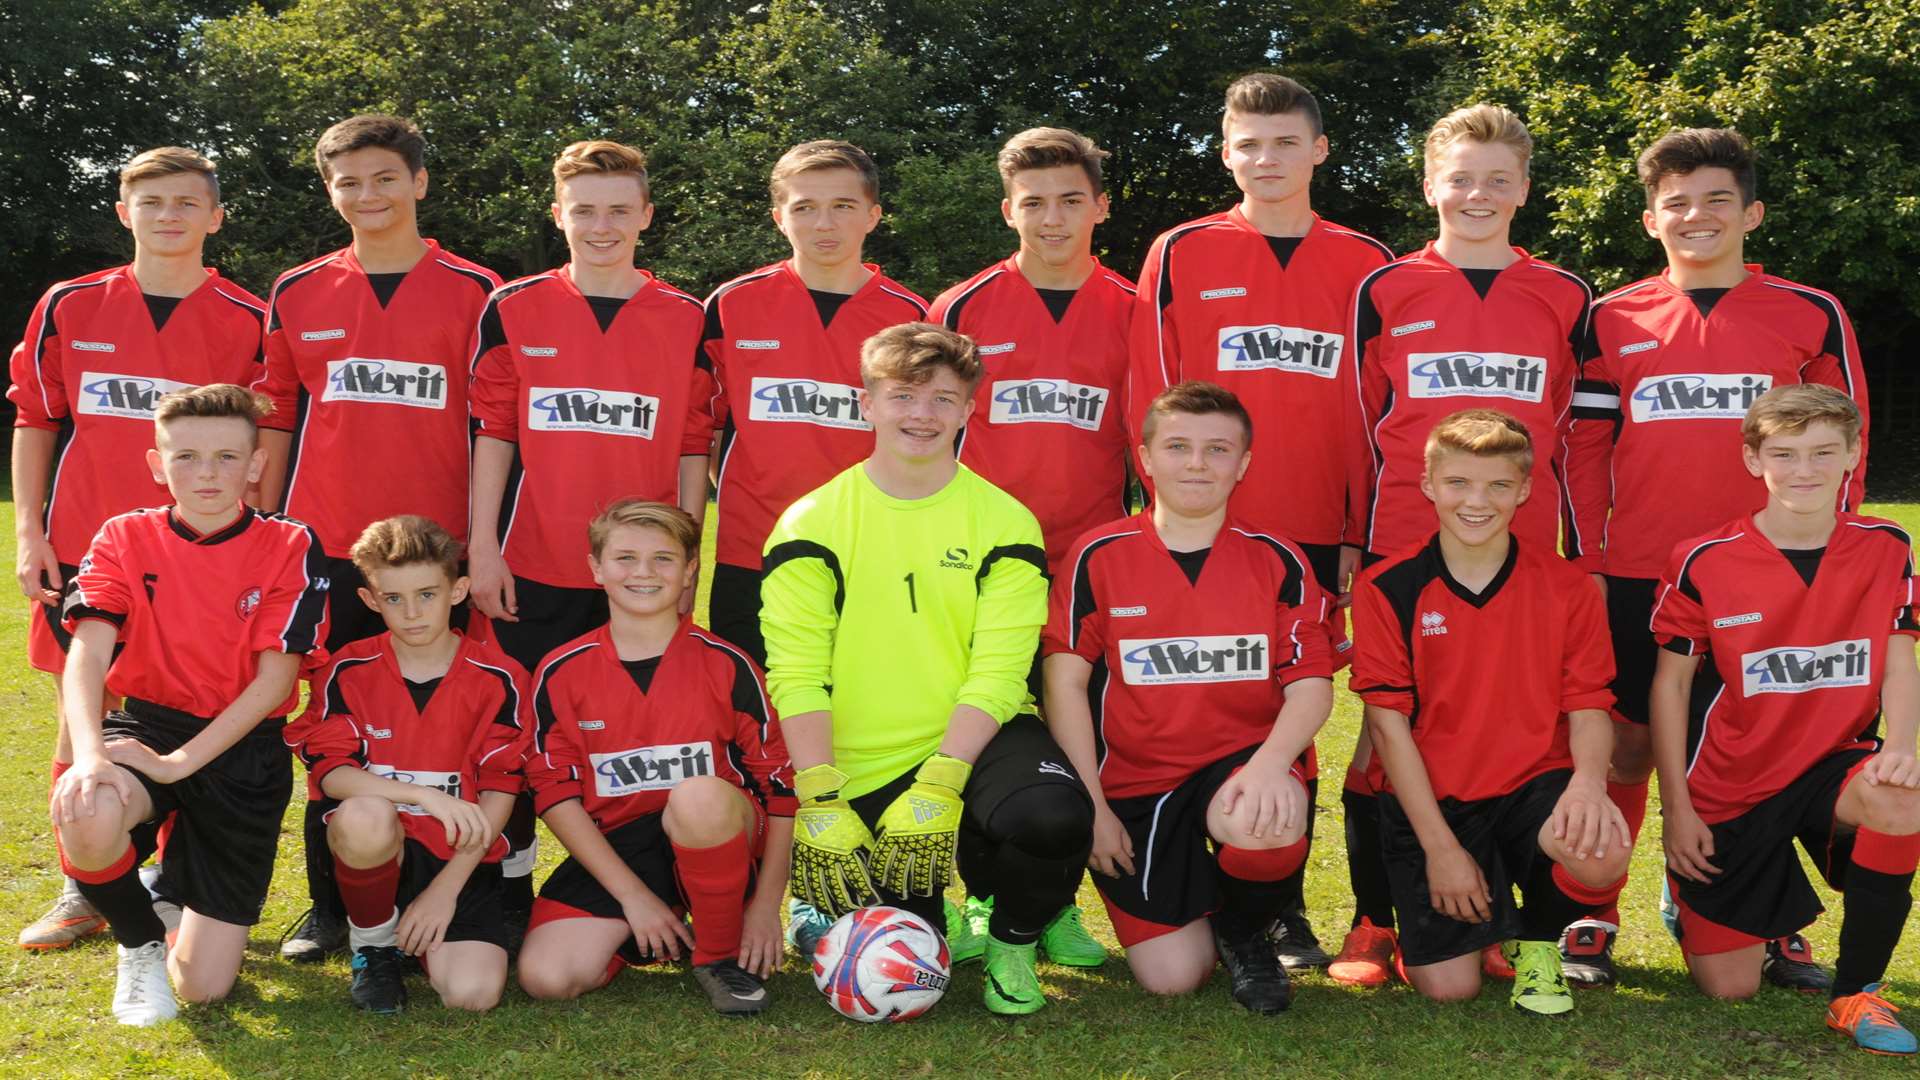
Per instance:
{"type": "Point", "coordinates": [1807, 615]}
{"type": "Point", "coordinates": [1671, 364]}
{"type": "Point", "coordinates": [419, 733]}
{"type": "Point", "coordinates": [212, 605]}
{"type": "Point", "coordinates": [98, 353]}
{"type": "Point", "coordinates": [1187, 672]}
{"type": "Point", "coordinates": [660, 766]}
{"type": "Point", "coordinates": [1048, 429]}
{"type": "Point", "coordinates": [1498, 782]}
{"type": "Point", "coordinates": [785, 346]}
{"type": "Point", "coordinates": [1468, 318]}
{"type": "Point", "coordinates": [366, 365]}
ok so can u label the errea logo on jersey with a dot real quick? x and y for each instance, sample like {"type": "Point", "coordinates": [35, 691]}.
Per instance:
{"type": "Point", "coordinates": [1697, 397]}
{"type": "Point", "coordinates": [1796, 669]}
{"type": "Point", "coordinates": [386, 382]}
{"type": "Point", "coordinates": [649, 768]}
{"type": "Point", "coordinates": [1432, 624]}
{"type": "Point", "coordinates": [1280, 348]}
{"type": "Point", "coordinates": [1469, 374]}
{"type": "Point", "coordinates": [1048, 401]}
{"type": "Point", "coordinates": [806, 401]}
{"type": "Point", "coordinates": [597, 412]}
{"type": "Point", "coordinates": [131, 396]}
{"type": "Point", "coordinates": [448, 782]}
{"type": "Point", "coordinates": [1220, 658]}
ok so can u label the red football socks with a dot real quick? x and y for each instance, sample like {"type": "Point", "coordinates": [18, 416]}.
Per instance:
{"type": "Point", "coordinates": [368, 892]}
{"type": "Point", "coordinates": [715, 881]}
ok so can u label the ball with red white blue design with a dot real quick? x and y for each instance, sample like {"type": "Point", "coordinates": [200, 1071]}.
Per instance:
{"type": "Point", "coordinates": [881, 963]}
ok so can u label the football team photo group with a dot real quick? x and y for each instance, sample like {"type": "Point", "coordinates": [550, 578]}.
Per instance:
{"type": "Point", "coordinates": [829, 628]}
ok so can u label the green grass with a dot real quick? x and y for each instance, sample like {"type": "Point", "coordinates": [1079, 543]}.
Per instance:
{"type": "Point", "coordinates": [284, 1020]}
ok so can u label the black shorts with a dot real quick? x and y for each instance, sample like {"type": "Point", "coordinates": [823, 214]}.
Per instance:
{"type": "Point", "coordinates": [733, 609]}
{"type": "Point", "coordinates": [226, 827]}
{"type": "Point", "coordinates": [47, 640]}
{"type": "Point", "coordinates": [549, 617]}
{"type": "Point", "coordinates": [1324, 561]}
{"type": "Point", "coordinates": [349, 618]}
{"type": "Point", "coordinates": [476, 911]}
{"type": "Point", "coordinates": [1629, 610]}
{"type": "Point", "coordinates": [1501, 833]}
{"type": "Point", "coordinates": [1762, 891]}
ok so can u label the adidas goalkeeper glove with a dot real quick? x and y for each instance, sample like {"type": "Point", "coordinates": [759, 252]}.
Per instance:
{"type": "Point", "coordinates": [914, 853]}
{"type": "Point", "coordinates": [829, 845]}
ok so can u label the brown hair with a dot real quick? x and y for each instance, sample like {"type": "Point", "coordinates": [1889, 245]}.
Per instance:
{"type": "Point", "coordinates": [214, 401]}
{"type": "Point", "coordinates": [824, 154]}
{"type": "Point", "coordinates": [168, 161]}
{"type": "Point", "coordinates": [1678, 153]}
{"type": "Point", "coordinates": [1481, 433]}
{"type": "Point", "coordinates": [1489, 124]}
{"type": "Point", "coordinates": [1047, 148]}
{"type": "Point", "coordinates": [912, 352]}
{"type": "Point", "coordinates": [1196, 398]}
{"type": "Point", "coordinates": [596, 157]}
{"type": "Point", "coordinates": [1265, 94]}
{"type": "Point", "coordinates": [644, 514]}
{"type": "Point", "coordinates": [371, 129]}
{"type": "Point", "coordinates": [1791, 410]}
{"type": "Point", "coordinates": [403, 541]}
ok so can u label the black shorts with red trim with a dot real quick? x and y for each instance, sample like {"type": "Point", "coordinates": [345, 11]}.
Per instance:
{"type": "Point", "coordinates": [47, 640]}
{"type": "Point", "coordinates": [1503, 836]}
{"type": "Point", "coordinates": [549, 616]}
{"type": "Point", "coordinates": [733, 609]}
{"type": "Point", "coordinates": [1635, 653]}
{"type": "Point", "coordinates": [1762, 892]}
{"type": "Point", "coordinates": [226, 828]}
{"type": "Point", "coordinates": [476, 911]}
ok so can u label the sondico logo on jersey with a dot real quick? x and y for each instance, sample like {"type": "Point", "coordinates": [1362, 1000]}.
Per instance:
{"type": "Point", "coordinates": [386, 382]}
{"type": "Point", "coordinates": [1697, 397]}
{"type": "Point", "coordinates": [131, 396]}
{"type": "Point", "coordinates": [806, 401]}
{"type": "Point", "coordinates": [1797, 669]}
{"type": "Point", "coordinates": [448, 782]}
{"type": "Point", "coordinates": [649, 768]}
{"type": "Point", "coordinates": [1048, 401]}
{"type": "Point", "coordinates": [1280, 348]}
{"type": "Point", "coordinates": [1470, 374]}
{"type": "Point", "coordinates": [1222, 658]}
{"type": "Point", "coordinates": [600, 412]}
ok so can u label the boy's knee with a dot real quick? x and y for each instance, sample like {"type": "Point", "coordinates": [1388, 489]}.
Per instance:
{"type": "Point", "coordinates": [548, 980]}
{"type": "Point", "coordinates": [705, 809]}
{"type": "Point", "coordinates": [1047, 819]}
{"type": "Point", "coordinates": [363, 828]}
{"type": "Point", "coordinates": [1447, 986]}
{"type": "Point", "coordinates": [1891, 810]}
{"type": "Point", "coordinates": [1726, 985]}
{"type": "Point", "coordinates": [201, 984]}
{"type": "Point", "coordinates": [1172, 979]}
{"type": "Point", "coordinates": [471, 994]}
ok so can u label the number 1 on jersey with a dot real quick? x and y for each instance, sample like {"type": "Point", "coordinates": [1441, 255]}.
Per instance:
{"type": "Point", "coordinates": [912, 602]}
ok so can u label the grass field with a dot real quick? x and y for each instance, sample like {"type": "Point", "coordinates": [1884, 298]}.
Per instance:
{"type": "Point", "coordinates": [284, 1020]}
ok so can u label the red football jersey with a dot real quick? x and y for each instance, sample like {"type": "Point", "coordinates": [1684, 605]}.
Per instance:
{"type": "Point", "coordinates": [1426, 345]}
{"type": "Point", "coordinates": [1047, 427]}
{"type": "Point", "coordinates": [471, 739]}
{"type": "Point", "coordinates": [375, 396]}
{"type": "Point", "coordinates": [1800, 665]}
{"type": "Point", "coordinates": [195, 611]}
{"type": "Point", "coordinates": [1662, 383]}
{"type": "Point", "coordinates": [789, 420]}
{"type": "Point", "coordinates": [1215, 303]}
{"type": "Point", "coordinates": [594, 415]}
{"type": "Point", "coordinates": [1184, 673]}
{"type": "Point", "coordinates": [1486, 679]}
{"type": "Point", "coordinates": [92, 366]}
{"type": "Point", "coordinates": [599, 739]}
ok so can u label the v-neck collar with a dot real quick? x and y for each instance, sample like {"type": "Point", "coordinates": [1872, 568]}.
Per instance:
{"type": "Point", "coordinates": [391, 660]}
{"type": "Point", "coordinates": [219, 536]}
{"type": "Point", "coordinates": [1485, 596]}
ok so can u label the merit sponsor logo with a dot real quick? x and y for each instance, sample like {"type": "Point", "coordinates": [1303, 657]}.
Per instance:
{"type": "Point", "coordinates": [1280, 348]}
{"type": "Point", "coordinates": [1222, 294]}
{"type": "Point", "coordinates": [1637, 347]}
{"type": "Point", "coordinates": [1127, 612]}
{"type": "Point", "coordinates": [386, 382]}
{"type": "Point", "coordinates": [996, 350]}
{"type": "Point", "coordinates": [593, 725]}
{"type": "Point", "coordinates": [1736, 620]}
{"type": "Point", "coordinates": [1697, 397]}
{"type": "Point", "coordinates": [598, 412]}
{"type": "Point", "coordinates": [649, 768]}
{"type": "Point", "coordinates": [756, 343]}
{"type": "Point", "coordinates": [91, 346]}
{"type": "Point", "coordinates": [1048, 401]}
{"type": "Point", "coordinates": [539, 352]}
{"type": "Point", "coordinates": [323, 335]}
{"type": "Point", "coordinates": [131, 396]}
{"type": "Point", "coordinates": [806, 401]}
{"type": "Point", "coordinates": [1796, 669]}
{"type": "Point", "coordinates": [1220, 658]}
{"type": "Point", "coordinates": [1432, 624]}
{"type": "Point", "coordinates": [1468, 374]}
{"type": "Point", "coordinates": [1411, 328]}
{"type": "Point", "coordinates": [448, 782]}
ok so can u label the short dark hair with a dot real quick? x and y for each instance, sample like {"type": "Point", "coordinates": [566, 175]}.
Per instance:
{"type": "Point", "coordinates": [1047, 148]}
{"type": "Point", "coordinates": [371, 129]}
{"type": "Point", "coordinates": [1678, 153]}
{"type": "Point", "coordinates": [1196, 398]}
{"type": "Point", "coordinates": [1266, 94]}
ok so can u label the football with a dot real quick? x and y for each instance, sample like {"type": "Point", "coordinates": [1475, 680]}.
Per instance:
{"type": "Point", "coordinates": [881, 963]}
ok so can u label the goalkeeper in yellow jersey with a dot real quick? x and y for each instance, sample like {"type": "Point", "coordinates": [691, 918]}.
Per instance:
{"type": "Point", "coordinates": [902, 606]}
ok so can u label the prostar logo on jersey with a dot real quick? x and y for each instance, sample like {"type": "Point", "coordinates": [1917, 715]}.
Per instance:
{"type": "Point", "coordinates": [1468, 374]}
{"type": "Point", "coordinates": [1048, 401]}
{"type": "Point", "coordinates": [1796, 669]}
{"type": "Point", "coordinates": [1280, 348]}
{"type": "Point", "coordinates": [386, 382]}
{"type": "Point", "coordinates": [598, 412]}
{"type": "Point", "coordinates": [131, 396]}
{"type": "Point", "coordinates": [447, 782]}
{"type": "Point", "coordinates": [649, 768]}
{"type": "Point", "coordinates": [1697, 397]}
{"type": "Point", "coordinates": [1220, 658]}
{"type": "Point", "coordinates": [91, 346]}
{"type": "Point", "coordinates": [806, 401]}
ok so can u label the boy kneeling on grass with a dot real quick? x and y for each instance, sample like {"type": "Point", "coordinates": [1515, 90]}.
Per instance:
{"type": "Point", "coordinates": [419, 733]}
{"type": "Point", "coordinates": [659, 765]}
{"type": "Point", "coordinates": [1484, 661]}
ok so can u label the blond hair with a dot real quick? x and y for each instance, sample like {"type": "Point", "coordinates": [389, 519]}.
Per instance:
{"type": "Point", "coordinates": [1266, 94]}
{"type": "Point", "coordinates": [1047, 148]}
{"type": "Point", "coordinates": [601, 157]}
{"type": "Point", "coordinates": [644, 514]}
{"type": "Point", "coordinates": [1791, 410]}
{"type": "Point", "coordinates": [215, 401]}
{"type": "Point", "coordinates": [1481, 433]}
{"type": "Point", "coordinates": [912, 352]}
{"type": "Point", "coordinates": [403, 541]}
{"type": "Point", "coordinates": [1196, 398]}
{"type": "Point", "coordinates": [1492, 125]}
{"type": "Point", "coordinates": [823, 154]}
{"type": "Point", "coordinates": [168, 161]}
